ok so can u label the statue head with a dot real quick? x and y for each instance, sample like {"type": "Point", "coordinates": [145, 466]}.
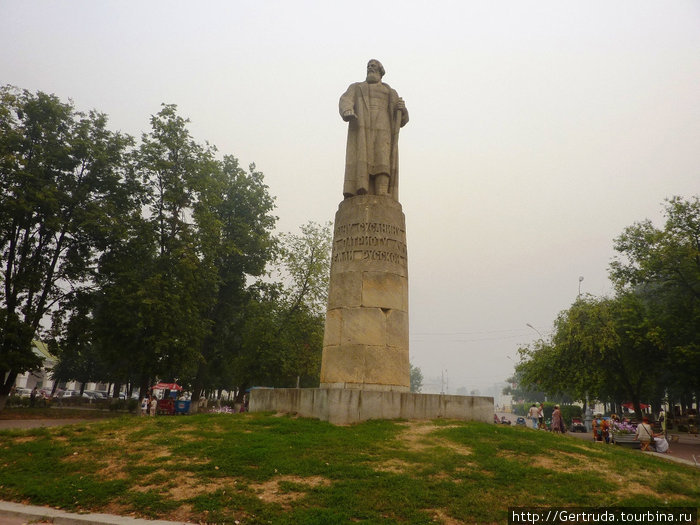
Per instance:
{"type": "Point", "coordinates": [375, 71]}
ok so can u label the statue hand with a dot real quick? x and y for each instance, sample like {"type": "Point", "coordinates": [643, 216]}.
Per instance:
{"type": "Point", "coordinates": [349, 115]}
{"type": "Point", "coordinates": [400, 104]}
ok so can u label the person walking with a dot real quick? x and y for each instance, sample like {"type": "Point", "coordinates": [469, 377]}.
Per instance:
{"type": "Point", "coordinates": [533, 415]}
{"type": "Point", "coordinates": [662, 421]}
{"type": "Point", "coordinates": [540, 416]}
{"type": "Point", "coordinates": [153, 405]}
{"type": "Point", "coordinates": [558, 424]}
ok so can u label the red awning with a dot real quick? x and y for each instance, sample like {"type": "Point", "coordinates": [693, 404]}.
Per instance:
{"type": "Point", "coordinates": [167, 386]}
{"type": "Point", "coordinates": [630, 406]}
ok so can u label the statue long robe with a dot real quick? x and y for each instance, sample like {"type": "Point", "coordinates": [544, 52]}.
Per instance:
{"type": "Point", "coordinates": [371, 137]}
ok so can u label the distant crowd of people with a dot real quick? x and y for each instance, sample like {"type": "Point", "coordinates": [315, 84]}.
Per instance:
{"type": "Point", "coordinates": [605, 429]}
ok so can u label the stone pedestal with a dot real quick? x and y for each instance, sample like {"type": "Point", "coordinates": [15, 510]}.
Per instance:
{"type": "Point", "coordinates": [344, 406]}
{"type": "Point", "coordinates": [365, 343]}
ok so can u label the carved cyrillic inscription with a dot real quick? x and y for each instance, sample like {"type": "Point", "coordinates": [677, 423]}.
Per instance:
{"type": "Point", "coordinates": [370, 241]}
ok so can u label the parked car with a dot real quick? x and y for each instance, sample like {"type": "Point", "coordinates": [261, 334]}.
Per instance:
{"type": "Point", "coordinates": [23, 392]}
{"type": "Point", "coordinates": [69, 393]}
{"type": "Point", "coordinates": [94, 394]}
{"type": "Point", "coordinates": [577, 425]}
{"type": "Point", "coordinates": [520, 421]}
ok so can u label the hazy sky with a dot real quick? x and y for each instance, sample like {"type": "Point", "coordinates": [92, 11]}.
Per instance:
{"type": "Point", "coordinates": [539, 129]}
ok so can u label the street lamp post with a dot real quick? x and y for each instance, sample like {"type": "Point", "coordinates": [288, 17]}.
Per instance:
{"type": "Point", "coordinates": [541, 340]}
{"type": "Point", "coordinates": [535, 329]}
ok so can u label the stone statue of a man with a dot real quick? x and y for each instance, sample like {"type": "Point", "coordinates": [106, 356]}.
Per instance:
{"type": "Point", "coordinates": [375, 113]}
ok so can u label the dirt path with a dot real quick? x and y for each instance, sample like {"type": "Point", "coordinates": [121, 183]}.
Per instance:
{"type": "Point", "coordinates": [6, 424]}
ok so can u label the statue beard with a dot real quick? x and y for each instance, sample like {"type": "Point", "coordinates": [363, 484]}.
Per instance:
{"type": "Point", "coordinates": [373, 77]}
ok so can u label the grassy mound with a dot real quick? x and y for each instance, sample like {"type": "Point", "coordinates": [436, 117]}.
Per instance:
{"type": "Point", "coordinates": [260, 468]}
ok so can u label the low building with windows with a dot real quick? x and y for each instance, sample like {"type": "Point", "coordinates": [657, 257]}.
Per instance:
{"type": "Point", "coordinates": [41, 378]}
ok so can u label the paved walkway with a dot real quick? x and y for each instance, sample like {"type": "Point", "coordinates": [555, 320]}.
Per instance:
{"type": "Point", "coordinates": [17, 514]}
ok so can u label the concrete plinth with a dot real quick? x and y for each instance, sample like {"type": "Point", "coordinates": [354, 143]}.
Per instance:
{"type": "Point", "coordinates": [346, 406]}
{"type": "Point", "coordinates": [365, 344]}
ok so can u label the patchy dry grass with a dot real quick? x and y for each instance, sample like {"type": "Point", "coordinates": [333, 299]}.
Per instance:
{"type": "Point", "coordinates": [257, 468]}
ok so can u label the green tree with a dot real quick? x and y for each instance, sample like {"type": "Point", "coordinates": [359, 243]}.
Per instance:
{"type": "Point", "coordinates": [519, 392]}
{"type": "Point", "coordinates": [188, 231]}
{"type": "Point", "coordinates": [644, 342]}
{"type": "Point", "coordinates": [181, 285]}
{"type": "Point", "coordinates": [242, 245]}
{"type": "Point", "coordinates": [663, 267]}
{"type": "Point", "coordinates": [602, 348]}
{"type": "Point", "coordinates": [282, 338]}
{"type": "Point", "coordinates": [416, 377]}
{"type": "Point", "coordinates": [57, 167]}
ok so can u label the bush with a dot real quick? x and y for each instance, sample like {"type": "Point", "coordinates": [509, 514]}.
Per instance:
{"type": "Point", "coordinates": [17, 401]}
{"type": "Point", "coordinates": [520, 409]}
{"type": "Point", "coordinates": [117, 404]}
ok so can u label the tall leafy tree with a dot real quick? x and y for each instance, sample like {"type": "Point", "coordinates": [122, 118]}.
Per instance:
{"type": "Point", "coordinates": [643, 343]}
{"type": "Point", "coordinates": [282, 338]}
{"type": "Point", "coordinates": [241, 246]}
{"type": "Point", "coordinates": [663, 266]}
{"type": "Point", "coordinates": [157, 279]}
{"type": "Point", "coordinates": [602, 348]}
{"type": "Point", "coordinates": [172, 276]}
{"type": "Point", "coordinates": [306, 265]}
{"type": "Point", "coordinates": [57, 167]}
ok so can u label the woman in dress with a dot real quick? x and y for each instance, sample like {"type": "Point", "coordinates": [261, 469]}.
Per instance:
{"type": "Point", "coordinates": [558, 421]}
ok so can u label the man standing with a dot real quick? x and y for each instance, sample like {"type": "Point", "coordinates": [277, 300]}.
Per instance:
{"type": "Point", "coordinates": [375, 113]}
{"type": "Point", "coordinates": [662, 420]}
{"type": "Point", "coordinates": [533, 415]}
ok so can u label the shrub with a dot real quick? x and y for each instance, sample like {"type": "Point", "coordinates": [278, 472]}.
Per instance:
{"type": "Point", "coordinates": [132, 405]}
{"type": "Point", "coordinates": [570, 411]}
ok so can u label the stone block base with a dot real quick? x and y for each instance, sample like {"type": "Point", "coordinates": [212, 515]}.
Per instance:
{"type": "Point", "coordinates": [346, 406]}
{"type": "Point", "coordinates": [365, 342]}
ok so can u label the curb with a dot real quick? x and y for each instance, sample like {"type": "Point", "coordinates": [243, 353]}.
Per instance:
{"type": "Point", "coordinates": [59, 517]}
{"type": "Point", "coordinates": [671, 458]}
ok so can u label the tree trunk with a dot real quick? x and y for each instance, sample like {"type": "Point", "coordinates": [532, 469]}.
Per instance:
{"type": "Point", "coordinates": [6, 387]}
{"type": "Point", "coordinates": [241, 393]}
{"type": "Point", "coordinates": [145, 388]}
